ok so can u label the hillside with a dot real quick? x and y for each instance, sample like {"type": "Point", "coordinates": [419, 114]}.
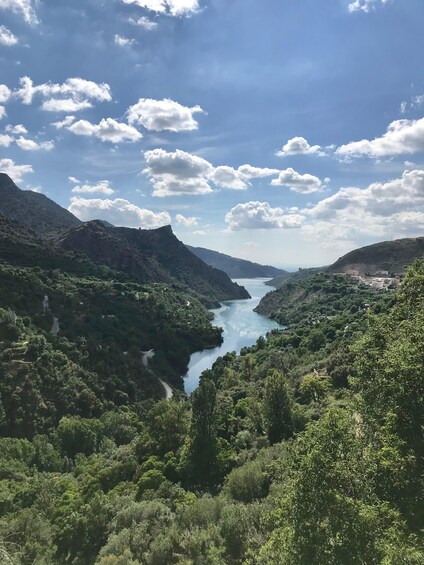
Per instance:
{"type": "Point", "coordinates": [32, 210]}
{"type": "Point", "coordinates": [235, 268]}
{"type": "Point", "coordinates": [37, 231]}
{"type": "Point", "coordinates": [392, 256]}
{"type": "Point", "coordinates": [150, 256]}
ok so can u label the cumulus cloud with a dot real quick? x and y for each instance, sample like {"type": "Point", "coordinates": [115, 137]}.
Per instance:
{"type": "Point", "coordinates": [15, 172]}
{"type": "Point", "coordinates": [402, 137]}
{"type": "Point", "coordinates": [31, 145]}
{"type": "Point", "coordinates": [65, 105]}
{"type": "Point", "coordinates": [5, 93]}
{"type": "Point", "coordinates": [144, 22]}
{"type": "Point", "coordinates": [364, 5]}
{"type": "Point", "coordinates": [379, 199]}
{"type": "Point", "coordinates": [18, 129]}
{"type": "Point", "coordinates": [177, 173]}
{"type": "Point", "coordinates": [305, 184]}
{"type": "Point", "coordinates": [64, 123]}
{"type": "Point", "coordinates": [5, 140]}
{"type": "Point", "coordinates": [394, 208]}
{"type": "Point", "coordinates": [260, 215]}
{"type": "Point", "coordinates": [102, 187]}
{"type": "Point", "coordinates": [186, 222]}
{"type": "Point", "coordinates": [118, 212]}
{"type": "Point", "coordinates": [123, 41]}
{"type": "Point", "coordinates": [74, 180]}
{"type": "Point", "coordinates": [73, 95]}
{"type": "Point", "coordinates": [23, 8]}
{"type": "Point", "coordinates": [182, 173]}
{"type": "Point", "coordinates": [163, 115]}
{"type": "Point", "coordinates": [6, 37]}
{"type": "Point", "coordinates": [107, 130]}
{"type": "Point", "coordinates": [299, 146]}
{"type": "Point", "coordinates": [23, 142]}
{"type": "Point", "coordinates": [170, 7]}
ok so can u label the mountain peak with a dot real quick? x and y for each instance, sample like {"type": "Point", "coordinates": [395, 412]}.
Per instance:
{"type": "Point", "coordinates": [32, 210]}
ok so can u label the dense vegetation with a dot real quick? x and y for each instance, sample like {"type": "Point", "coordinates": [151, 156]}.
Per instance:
{"type": "Point", "coordinates": [307, 449]}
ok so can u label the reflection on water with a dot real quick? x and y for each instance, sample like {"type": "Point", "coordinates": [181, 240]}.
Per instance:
{"type": "Point", "coordinates": [241, 326]}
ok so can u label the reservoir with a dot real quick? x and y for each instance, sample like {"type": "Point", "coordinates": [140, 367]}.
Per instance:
{"type": "Point", "coordinates": [241, 328]}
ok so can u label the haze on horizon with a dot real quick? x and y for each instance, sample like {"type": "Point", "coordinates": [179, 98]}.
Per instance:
{"type": "Point", "coordinates": [282, 132]}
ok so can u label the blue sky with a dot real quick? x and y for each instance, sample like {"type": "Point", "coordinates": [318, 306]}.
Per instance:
{"type": "Point", "coordinates": [282, 131]}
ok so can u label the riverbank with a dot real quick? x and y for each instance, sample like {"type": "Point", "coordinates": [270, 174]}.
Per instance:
{"type": "Point", "coordinates": [241, 328]}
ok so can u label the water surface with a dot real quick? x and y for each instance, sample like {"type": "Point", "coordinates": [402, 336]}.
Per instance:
{"type": "Point", "coordinates": [241, 326]}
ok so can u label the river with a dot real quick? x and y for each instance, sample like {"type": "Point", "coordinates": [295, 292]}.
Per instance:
{"type": "Point", "coordinates": [242, 327]}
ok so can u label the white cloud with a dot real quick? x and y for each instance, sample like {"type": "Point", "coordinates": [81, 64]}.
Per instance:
{"type": "Point", "coordinates": [299, 146]}
{"type": "Point", "coordinates": [379, 199]}
{"type": "Point", "coordinates": [19, 129]}
{"type": "Point", "coordinates": [381, 210]}
{"type": "Point", "coordinates": [118, 212]}
{"type": "Point", "coordinates": [102, 187]}
{"type": "Point", "coordinates": [64, 123]}
{"type": "Point", "coordinates": [5, 93]}
{"type": "Point", "coordinates": [21, 7]}
{"type": "Point", "coordinates": [227, 177]}
{"type": "Point", "coordinates": [107, 130]}
{"type": "Point", "coordinates": [65, 105]}
{"type": "Point", "coordinates": [31, 145]}
{"type": "Point", "coordinates": [402, 137]}
{"type": "Point", "coordinates": [144, 22]}
{"type": "Point", "coordinates": [123, 41]}
{"type": "Point", "coordinates": [260, 215]}
{"type": "Point", "coordinates": [74, 180]}
{"type": "Point", "coordinates": [15, 172]}
{"type": "Point", "coordinates": [364, 5]}
{"type": "Point", "coordinates": [2, 112]}
{"type": "Point", "coordinates": [73, 95]}
{"type": "Point", "coordinates": [201, 233]}
{"type": "Point", "coordinates": [6, 37]}
{"type": "Point", "coordinates": [5, 140]}
{"type": "Point", "coordinates": [171, 7]}
{"type": "Point", "coordinates": [163, 115]}
{"type": "Point", "coordinates": [182, 173]}
{"type": "Point", "coordinates": [305, 184]}
{"type": "Point", "coordinates": [186, 222]}
{"type": "Point", "coordinates": [177, 173]}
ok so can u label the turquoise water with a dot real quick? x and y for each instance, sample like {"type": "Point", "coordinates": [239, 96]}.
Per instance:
{"type": "Point", "coordinates": [241, 326]}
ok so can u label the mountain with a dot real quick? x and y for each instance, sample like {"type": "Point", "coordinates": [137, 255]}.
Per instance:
{"type": "Point", "coordinates": [32, 210]}
{"type": "Point", "coordinates": [392, 256]}
{"type": "Point", "coordinates": [235, 268]}
{"type": "Point", "coordinates": [301, 274]}
{"type": "Point", "coordinates": [150, 256]}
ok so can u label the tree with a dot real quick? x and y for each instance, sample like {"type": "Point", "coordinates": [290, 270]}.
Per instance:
{"type": "Point", "coordinates": [277, 407]}
{"type": "Point", "coordinates": [200, 461]}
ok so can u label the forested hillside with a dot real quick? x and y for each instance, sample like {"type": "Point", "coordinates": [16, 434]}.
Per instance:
{"type": "Point", "coordinates": [305, 449]}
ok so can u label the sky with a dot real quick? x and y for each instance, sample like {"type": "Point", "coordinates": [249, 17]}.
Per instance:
{"type": "Point", "coordinates": [287, 132]}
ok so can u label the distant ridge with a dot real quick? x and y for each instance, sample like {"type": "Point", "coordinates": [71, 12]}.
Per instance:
{"type": "Point", "coordinates": [32, 210]}
{"type": "Point", "coordinates": [391, 256]}
{"type": "Point", "coordinates": [235, 268]}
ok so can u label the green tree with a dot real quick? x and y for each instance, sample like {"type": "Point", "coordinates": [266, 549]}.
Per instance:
{"type": "Point", "coordinates": [277, 407]}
